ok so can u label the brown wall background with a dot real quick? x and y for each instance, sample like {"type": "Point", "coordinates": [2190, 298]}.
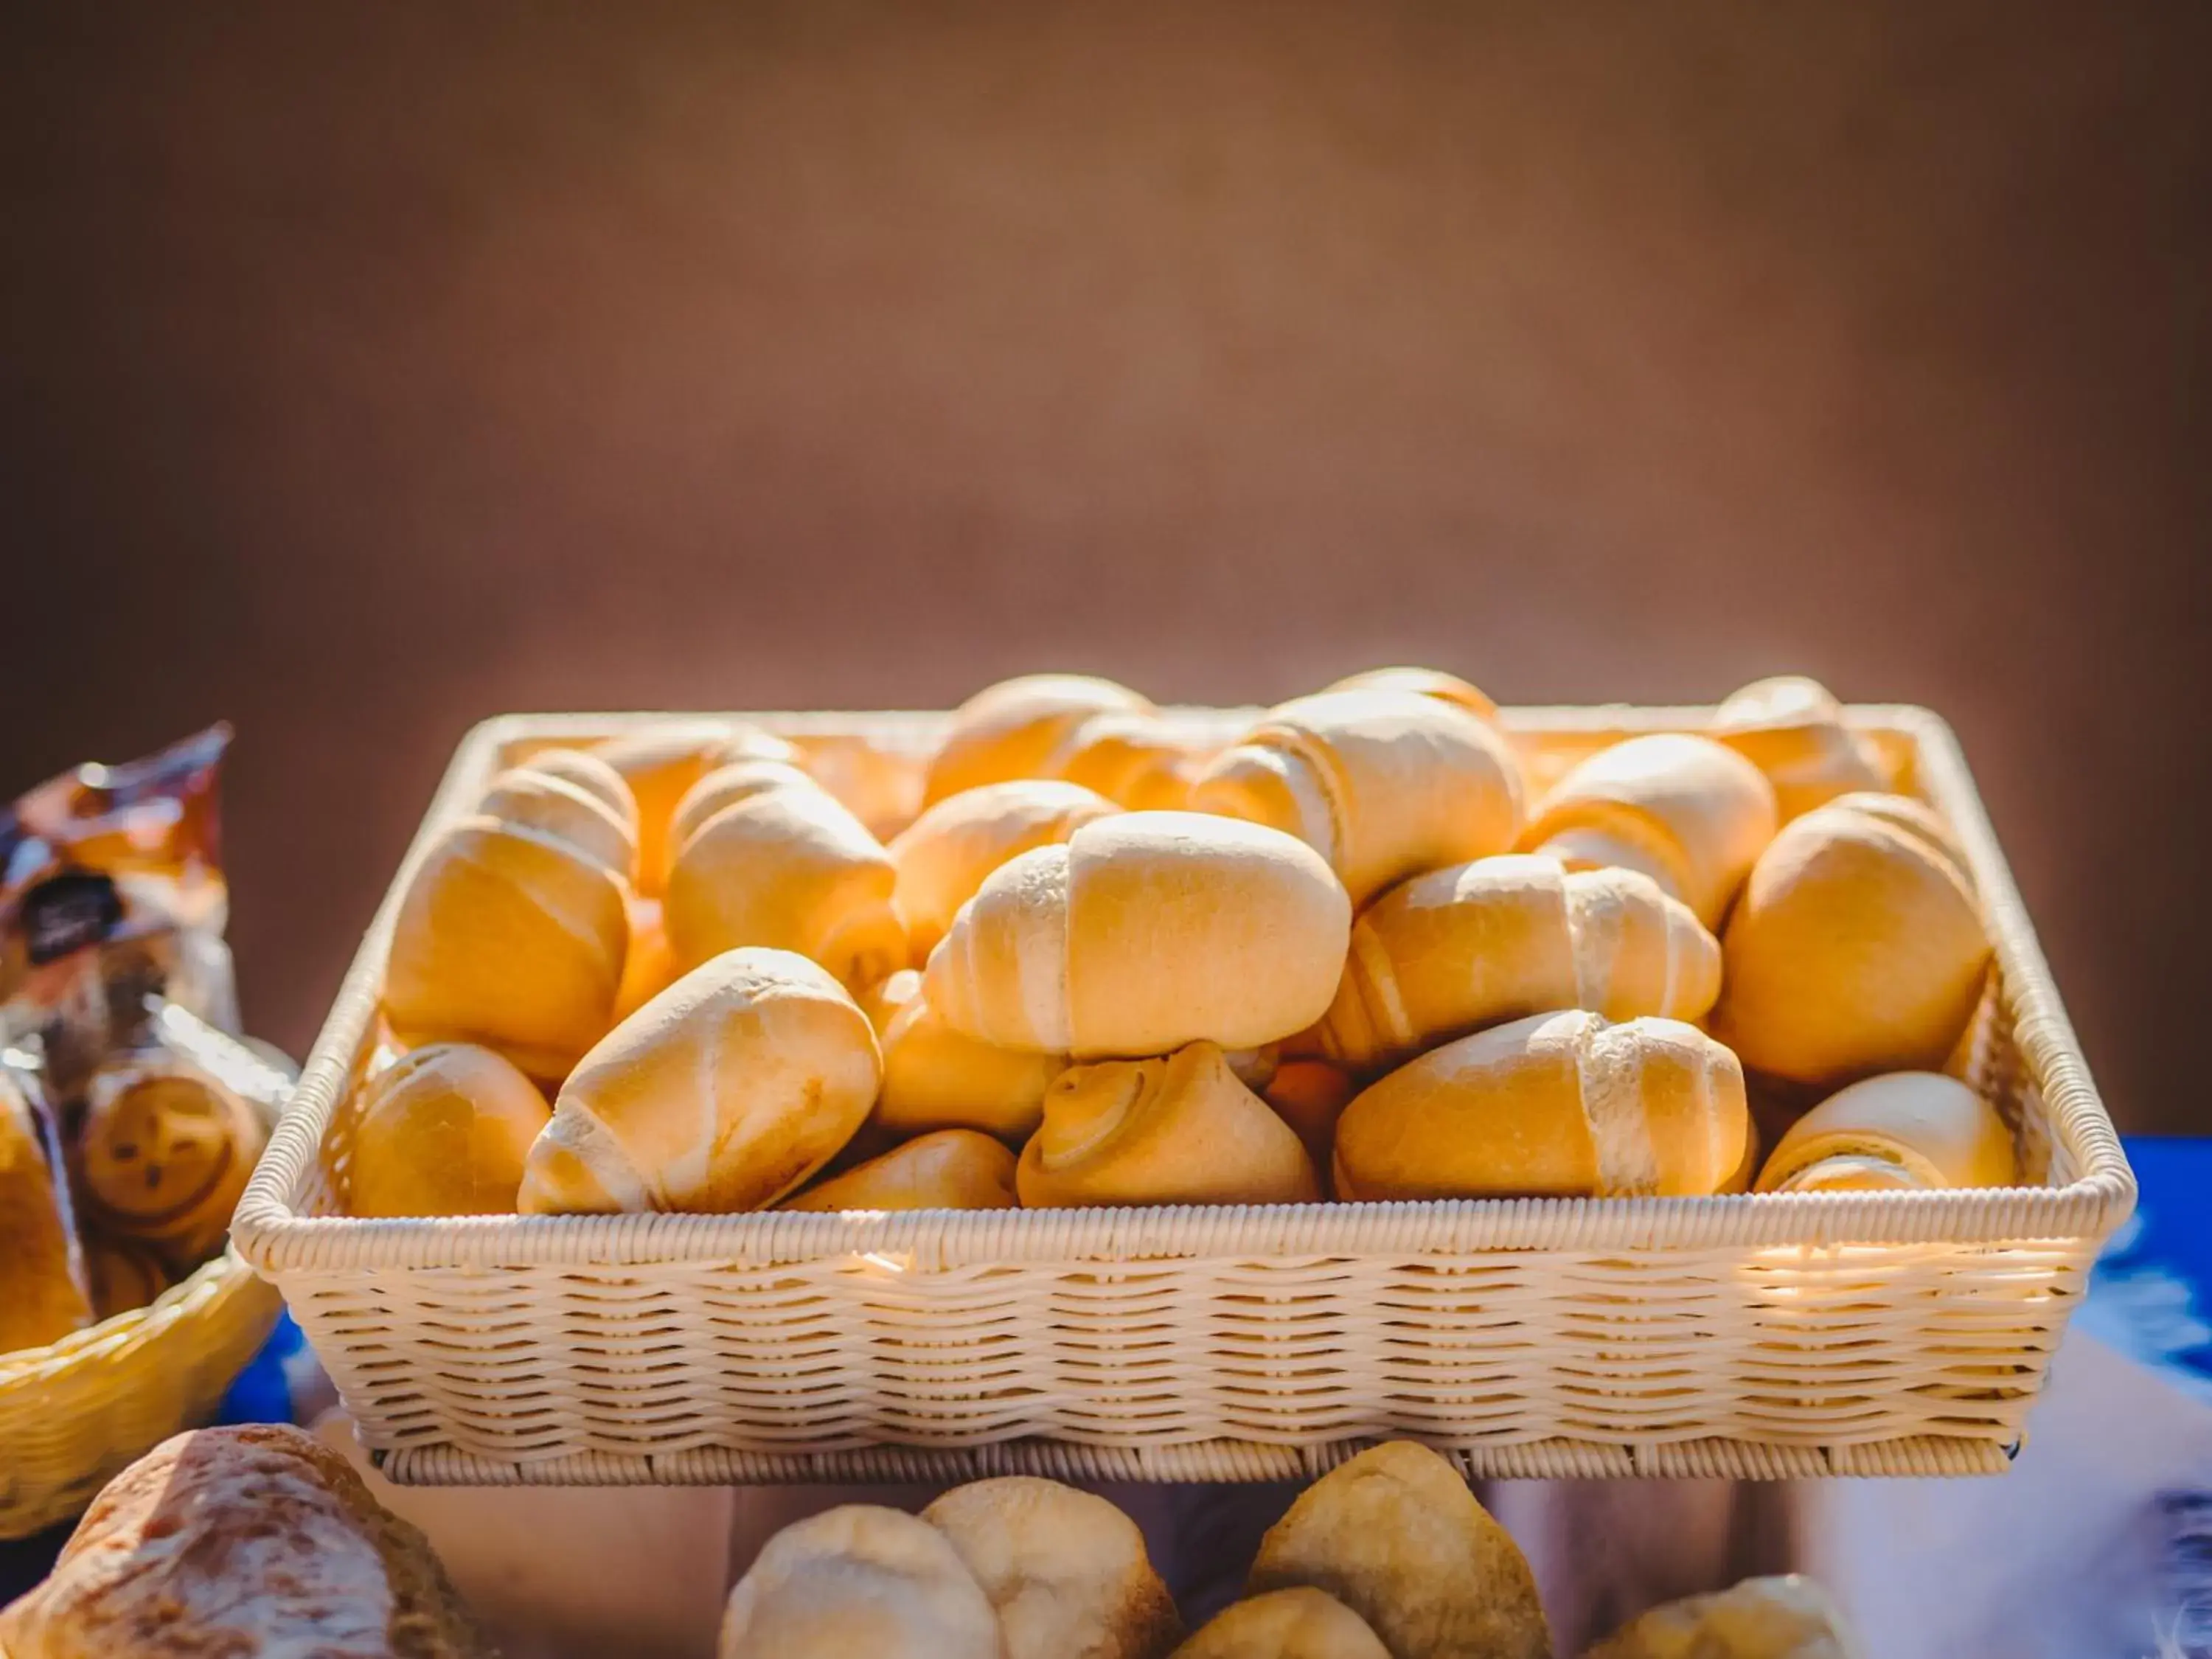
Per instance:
{"type": "Point", "coordinates": [364, 370]}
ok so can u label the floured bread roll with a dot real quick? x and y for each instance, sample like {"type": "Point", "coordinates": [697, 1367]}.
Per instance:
{"type": "Point", "coordinates": [1384, 784]}
{"type": "Point", "coordinates": [951, 1169]}
{"type": "Point", "coordinates": [444, 1130]}
{"type": "Point", "coordinates": [859, 1583]}
{"type": "Point", "coordinates": [787, 868]}
{"type": "Point", "coordinates": [588, 772]}
{"type": "Point", "coordinates": [1396, 1536]}
{"type": "Point", "coordinates": [649, 965]}
{"type": "Point", "coordinates": [1310, 1095]}
{"type": "Point", "coordinates": [1298, 1623]}
{"type": "Point", "coordinates": [936, 1079]}
{"type": "Point", "coordinates": [1010, 730]}
{"type": "Point", "coordinates": [1423, 682]}
{"type": "Point", "coordinates": [659, 762]}
{"type": "Point", "coordinates": [1857, 947]}
{"type": "Point", "coordinates": [164, 1156]}
{"type": "Point", "coordinates": [1144, 932]}
{"type": "Point", "coordinates": [1902, 1131]}
{"type": "Point", "coordinates": [555, 806]}
{"type": "Point", "coordinates": [726, 786]}
{"type": "Point", "coordinates": [1065, 1570]}
{"type": "Point", "coordinates": [43, 1295]}
{"type": "Point", "coordinates": [250, 1541]}
{"type": "Point", "coordinates": [1181, 1130]}
{"type": "Point", "coordinates": [1556, 1105]}
{"type": "Point", "coordinates": [944, 855]}
{"type": "Point", "coordinates": [1792, 729]}
{"type": "Point", "coordinates": [1690, 814]}
{"type": "Point", "coordinates": [1132, 757]}
{"type": "Point", "coordinates": [1467, 946]}
{"type": "Point", "coordinates": [510, 937]}
{"type": "Point", "coordinates": [722, 1094]}
{"type": "Point", "coordinates": [1782, 1618]}
{"type": "Point", "coordinates": [880, 787]}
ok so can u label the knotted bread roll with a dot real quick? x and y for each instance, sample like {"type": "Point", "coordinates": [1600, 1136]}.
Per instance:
{"type": "Point", "coordinates": [1787, 1617]}
{"type": "Point", "coordinates": [1858, 946]}
{"type": "Point", "coordinates": [1556, 1105]}
{"type": "Point", "coordinates": [1687, 812]}
{"type": "Point", "coordinates": [660, 762]}
{"type": "Point", "coordinates": [556, 806]}
{"type": "Point", "coordinates": [1384, 784]}
{"type": "Point", "coordinates": [1144, 932]}
{"type": "Point", "coordinates": [43, 1293]}
{"type": "Point", "coordinates": [951, 1169]}
{"type": "Point", "coordinates": [859, 1583]}
{"type": "Point", "coordinates": [1135, 758]}
{"type": "Point", "coordinates": [1470, 946]}
{"type": "Point", "coordinates": [785, 867]}
{"type": "Point", "coordinates": [444, 1130]}
{"type": "Point", "coordinates": [510, 937]}
{"type": "Point", "coordinates": [1395, 1536]}
{"type": "Point", "coordinates": [1010, 730]}
{"type": "Point", "coordinates": [164, 1154]}
{"type": "Point", "coordinates": [1065, 1570]}
{"type": "Point", "coordinates": [945, 855]}
{"type": "Point", "coordinates": [1177, 1130]}
{"type": "Point", "coordinates": [934, 1078]}
{"type": "Point", "coordinates": [1298, 1623]}
{"type": "Point", "coordinates": [722, 1094]}
{"type": "Point", "coordinates": [1423, 682]}
{"type": "Point", "coordinates": [1792, 729]}
{"type": "Point", "coordinates": [1903, 1131]}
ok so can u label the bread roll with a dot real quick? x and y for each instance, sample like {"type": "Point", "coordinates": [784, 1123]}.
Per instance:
{"type": "Point", "coordinates": [1903, 1131]}
{"type": "Point", "coordinates": [1384, 784]}
{"type": "Point", "coordinates": [936, 1079]}
{"type": "Point", "coordinates": [164, 1155]}
{"type": "Point", "coordinates": [661, 761]}
{"type": "Point", "coordinates": [859, 1583]}
{"type": "Point", "coordinates": [1011, 729]}
{"type": "Point", "coordinates": [43, 1294]}
{"type": "Point", "coordinates": [593, 776]}
{"type": "Point", "coordinates": [951, 1169]}
{"type": "Point", "coordinates": [1561, 1105]}
{"type": "Point", "coordinates": [1310, 1095]}
{"type": "Point", "coordinates": [1792, 729]}
{"type": "Point", "coordinates": [1857, 947]}
{"type": "Point", "coordinates": [944, 855]}
{"type": "Point", "coordinates": [1690, 814]}
{"type": "Point", "coordinates": [1298, 1623]}
{"type": "Point", "coordinates": [1423, 682]}
{"type": "Point", "coordinates": [1146, 931]}
{"type": "Point", "coordinates": [649, 965]}
{"type": "Point", "coordinates": [511, 938]}
{"type": "Point", "coordinates": [444, 1130]}
{"type": "Point", "coordinates": [124, 1274]}
{"type": "Point", "coordinates": [723, 1093]}
{"type": "Point", "coordinates": [545, 801]}
{"type": "Point", "coordinates": [787, 868]}
{"type": "Point", "coordinates": [1133, 758]}
{"type": "Point", "coordinates": [250, 1541]}
{"type": "Point", "coordinates": [726, 786]}
{"type": "Point", "coordinates": [1782, 1618]}
{"type": "Point", "coordinates": [1396, 1536]}
{"type": "Point", "coordinates": [1181, 1130]}
{"type": "Point", "coordinates": [1470, 946]}
{"type": "Point", "coordinates": [880, 787]}
{"type": "Point", "coordinates": [1065, 1570]}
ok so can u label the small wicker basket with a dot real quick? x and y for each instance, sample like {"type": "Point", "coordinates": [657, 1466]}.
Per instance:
{"type": "Point", "coordinates": [1771, 1335]}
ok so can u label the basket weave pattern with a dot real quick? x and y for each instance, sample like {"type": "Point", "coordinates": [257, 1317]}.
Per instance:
{"type": "Point", "coordinates": [1771, 1335]}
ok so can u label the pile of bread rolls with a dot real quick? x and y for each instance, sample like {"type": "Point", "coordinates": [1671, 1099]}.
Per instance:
{"type": "Point", "coordinates": [1078, 957]}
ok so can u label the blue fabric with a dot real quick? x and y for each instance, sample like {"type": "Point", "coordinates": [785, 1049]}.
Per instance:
{"type": "Point", "coordinates": [263, 1392]}
{"type": "Point", "coordinates": [2151, 1292]}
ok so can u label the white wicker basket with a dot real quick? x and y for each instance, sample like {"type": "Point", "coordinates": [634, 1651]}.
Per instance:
{"type": "Point", "coordinates": [1774, 1336]}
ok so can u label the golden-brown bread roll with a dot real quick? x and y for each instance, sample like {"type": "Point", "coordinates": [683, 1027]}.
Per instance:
{"type": "Point", "coordinates": [1010, 730]}
{"type": "Point", "coordinates": [726, 786]}
{"type": "Point", "coordinates": [934, 1078]}
{"type": "Point", "coordinates": [1687, 812]}
{"type": "Point", "coordinates": [1310, 1095]}
{"type": "Point", "coordinates": [444, 1130]}
{"type": "Point", "coordinates": [257, 1539]}
{"type": "Point", "coordinates": [1384, 784]}
{"type": "Point", "coordinates": [722, 1094]}
{"type": "Point", "coordinates": [511, 938]}
{"type": "Point", "coordinates": [552, 805]}
{"type": "Point", "coordinates": [1424, 681]}
{"type": "Point", "coordinates": [164, 1155]}
{"type": "Point", "coordinates": [1177, 1130]}
{"type": "Point", "coordinates": [659, 762]}
{"type": "Point", "coordinates": [1133, 758]}
{"type": "Point", "coordinates": [1066, 1571]}
{"type": "Point", "coordinates": [1792, 729]}
{"type": "Point", "coordinates": [588, 772]}
{"type": "Point", "coordinates": [1858, 946]}
{"type": "Point", "coordinates": [43, 1293]}
{"type": "Point", "coordinates": [1788, 1617]}
{"type": "Point", "coordinates": [859, 1583]}
{"type": "Point", "coordinates": [123, 1274]}
{"type": "Point", "coordinates": [787, 868]}
{"type": "Point", "coordinates": [1472, 944]}
{"type": "Point", "coordinates": [1396, 1536]}
{"type": "Point", "coordinates": [879, 785]}
{"type": "Point", "coordinates": [1144, 932]}
{"type": "Point", "coordinates": [944, 855]}
{"type": "Point", "coordinates": [1556, 1105]}
{"type": "Point", "coordinates": [1901, 1131]}
{"type": "Point", "coordinates": [650, 965]}
{"type": "Point", "coordinates": [1298, 1623]}
{"type": "Point", "coordinates": [950, 1169]}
